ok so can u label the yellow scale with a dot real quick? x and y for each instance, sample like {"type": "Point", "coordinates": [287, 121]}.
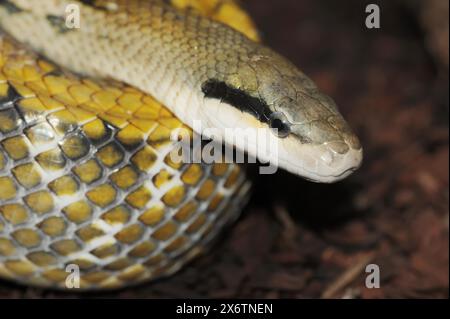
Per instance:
{"type": "Point", "coordinates": [86, 176]}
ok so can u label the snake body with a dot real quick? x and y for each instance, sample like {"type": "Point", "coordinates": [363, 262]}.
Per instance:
{"type": "Point", "coordinates": [86, 176]}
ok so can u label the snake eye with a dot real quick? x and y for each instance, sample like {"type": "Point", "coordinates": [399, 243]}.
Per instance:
{"type": "Point", "coordinates": [280, 125]}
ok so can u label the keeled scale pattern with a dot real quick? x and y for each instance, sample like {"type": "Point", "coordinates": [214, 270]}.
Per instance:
{"type": "Point", "coordinates": [86, 179]}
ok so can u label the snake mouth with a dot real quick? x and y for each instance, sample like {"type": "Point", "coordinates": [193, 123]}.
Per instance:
{"type": "Point", "coordinates": [351, 162]}
{"type": "Point", "coordinates": [322, 165]}
{"type": "Point", "coordinates": [316, 163]}
{"type": "Point", "coordinates": [319, 163]}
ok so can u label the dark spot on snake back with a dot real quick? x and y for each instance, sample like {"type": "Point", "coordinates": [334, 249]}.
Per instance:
{"type": "Point", "coordinates": [93, 4]}
{"type": "Point", "coordinates": [59, 23]}
{"type": "Point", "coordinates": [10, 7]}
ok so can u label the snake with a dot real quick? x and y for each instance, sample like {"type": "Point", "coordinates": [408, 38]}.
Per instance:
{"type": "Point", "coordinates": [91, 92]}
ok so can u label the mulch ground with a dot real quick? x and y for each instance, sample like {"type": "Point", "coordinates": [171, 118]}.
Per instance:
{"type": "Point", "coordinates": [302, 240]}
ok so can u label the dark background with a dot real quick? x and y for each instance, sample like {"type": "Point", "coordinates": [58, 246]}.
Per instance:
{"type": "Point", "coordinates": [302, 240]}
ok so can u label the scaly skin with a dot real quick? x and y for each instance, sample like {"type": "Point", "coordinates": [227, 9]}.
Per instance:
{"type": "Point", "coordinates": [86, 177]}
{"type": "Point", "coordinates": [175, 56]}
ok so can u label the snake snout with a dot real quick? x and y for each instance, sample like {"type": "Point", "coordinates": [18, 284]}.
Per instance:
{"type": "Point", "coordinates": [338, 160]}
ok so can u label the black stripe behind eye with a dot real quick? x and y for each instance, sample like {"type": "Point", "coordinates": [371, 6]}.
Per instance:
{"type": "Point", "coordinates": [237, 98]}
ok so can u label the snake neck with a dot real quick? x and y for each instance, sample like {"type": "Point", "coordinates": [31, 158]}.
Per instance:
{"type": "Point", "coordinates": [165, 52]}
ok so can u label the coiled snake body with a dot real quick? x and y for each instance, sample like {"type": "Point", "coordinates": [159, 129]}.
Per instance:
{"type": "Point", "coordinates": [86, 173]}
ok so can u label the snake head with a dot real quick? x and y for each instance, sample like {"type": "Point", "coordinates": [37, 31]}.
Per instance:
{"type": "Point", "coordinates": [315, 140]}
{"type": "Point", "coordinates": [312, 138]}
